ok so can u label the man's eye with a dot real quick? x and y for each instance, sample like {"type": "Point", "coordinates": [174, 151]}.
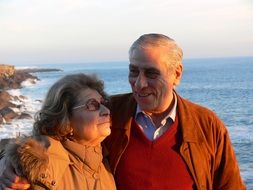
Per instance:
{"type": "Point", "coordinates": [133, 72]}
{"type": "Point", "coordinates": [151, 75]}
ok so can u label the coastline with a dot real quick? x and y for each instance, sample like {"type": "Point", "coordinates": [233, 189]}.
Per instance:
{"type": "Point", "coordinates": [11, 106]}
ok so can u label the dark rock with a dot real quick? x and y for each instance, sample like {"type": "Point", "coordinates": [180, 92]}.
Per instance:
{"type": "Point", "coordinates": [5, 98]}
{"type": "Point", "coordinates": [24, 116]}
{"type": "Point", "coordinates": [8, 114]}
{"type": "Point", "coordinates": [23, 97]}
{"type": "Point", "coordinates": [16, 98]}
{"type": "Point", "coordinates": [35, 70]}
{"type": "Point", "coordinates": [1, 119]}
{"type": "Point", "coordinates": [19, 106]}
{"type": "Point", "coordinates": [6, 104]}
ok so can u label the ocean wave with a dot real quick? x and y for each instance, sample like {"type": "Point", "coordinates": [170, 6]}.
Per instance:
{"type": "Point", "coordinates": [28, 82]}
{"type": "Point", "coordinates": [14, 92]}
{"type": "Point", "coordinates": [25, 67]}
{"type": "Point", "coordinates": [26, 107]}
{"type": "Point", "coordinates": [16, 128]}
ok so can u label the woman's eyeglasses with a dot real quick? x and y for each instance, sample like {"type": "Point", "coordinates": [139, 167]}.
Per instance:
{"type": "Point", "coordinates": [92, 105]}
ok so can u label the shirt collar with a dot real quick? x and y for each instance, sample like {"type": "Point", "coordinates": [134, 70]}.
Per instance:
{"type": "Point", "coordinates": [171, 114]}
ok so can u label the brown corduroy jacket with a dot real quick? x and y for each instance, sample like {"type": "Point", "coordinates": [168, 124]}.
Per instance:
{"type": "Point", "coordinates": [206, 146]}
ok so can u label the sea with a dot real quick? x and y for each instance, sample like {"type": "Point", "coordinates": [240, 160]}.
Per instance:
{"type": "Point", "coordinates": [224, 85]}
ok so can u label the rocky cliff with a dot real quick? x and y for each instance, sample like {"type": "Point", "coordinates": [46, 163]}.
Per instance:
{"type": "Point", "coordinates": [10, 78]}
{"type": "Point", "coordinates": [6, 70]}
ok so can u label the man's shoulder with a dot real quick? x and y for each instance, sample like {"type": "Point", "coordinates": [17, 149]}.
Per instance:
{"type": "Point", "coordinates": [198, 115]}
{"type": "Point", "coordinates": [194, 107]}
{"type": "Point", "coordinates": [122, 108]}
{"type": "Point", "coordinates": [119, 100]}
{"type": "Point", "coordinates": [121, 96]}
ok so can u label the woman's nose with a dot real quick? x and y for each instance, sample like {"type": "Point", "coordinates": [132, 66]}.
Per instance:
{"type": "Point", "coordinates": [105, 111]}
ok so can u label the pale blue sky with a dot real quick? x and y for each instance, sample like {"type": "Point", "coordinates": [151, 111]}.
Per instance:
{"type": "Point", "coordinates": [65, 31]}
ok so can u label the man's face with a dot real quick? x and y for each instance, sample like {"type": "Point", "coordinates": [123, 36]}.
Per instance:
{"type": "Point", "coordinates": [151, 79]}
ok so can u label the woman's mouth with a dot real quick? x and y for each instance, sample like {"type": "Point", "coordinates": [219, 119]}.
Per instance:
{"type": "Point", "coordinates": [104, 122]}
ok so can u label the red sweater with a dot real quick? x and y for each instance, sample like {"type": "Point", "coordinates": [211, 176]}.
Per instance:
{"type": "Point", "coordinates": [153, 165]}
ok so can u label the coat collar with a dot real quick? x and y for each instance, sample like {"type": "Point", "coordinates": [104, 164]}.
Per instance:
{"type": "Point", "coordinates": [190, 126]}
{"type": "Point", "coordinates": [88, 155]}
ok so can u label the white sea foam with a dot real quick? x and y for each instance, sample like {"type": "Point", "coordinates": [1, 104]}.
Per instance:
{"type": "Point", "coordinates": [16, 128]}
{"type": "Point", "coordinates": [20, 126]}
{"type": "Point", "coordinates": [28, 82]}
{"type": "Point", "coordinates": [17, 98]}
{"type": "Point", "coordinates": [25, 67]}
{"type": "Point", "coordinates": [14, 92]}
{"type": "Point", "coordinates": [24, 98]}
{"type": "Point", "coordinates": [15, 110]}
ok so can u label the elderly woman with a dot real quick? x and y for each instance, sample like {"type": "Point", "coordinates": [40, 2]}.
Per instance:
{"type": "Point", "coordinates": [65, 151]}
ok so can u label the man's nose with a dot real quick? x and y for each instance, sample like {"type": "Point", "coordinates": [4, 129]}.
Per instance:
{"type": "Point", "coordinates": [141, 81]}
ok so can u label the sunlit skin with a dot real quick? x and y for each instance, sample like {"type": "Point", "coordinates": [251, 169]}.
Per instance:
{"type": "Point", "coordinates": [90, 127]}
{"type": "Point", "coordinates": [13, 181]}
{"type": "Point", "coordinates": [152, 81]}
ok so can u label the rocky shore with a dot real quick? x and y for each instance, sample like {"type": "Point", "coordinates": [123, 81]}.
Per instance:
{"type": "Point", "coordinates": [11, 78]}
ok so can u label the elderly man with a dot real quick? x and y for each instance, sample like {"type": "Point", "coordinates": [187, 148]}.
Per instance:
{"type": "Point", "coordinates": [160, 140]}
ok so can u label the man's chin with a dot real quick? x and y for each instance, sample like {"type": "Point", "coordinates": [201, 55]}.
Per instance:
{"type": "Point", "coordinates": [144, 102]}
{"type": "Point", "coordinates": [145, 107]}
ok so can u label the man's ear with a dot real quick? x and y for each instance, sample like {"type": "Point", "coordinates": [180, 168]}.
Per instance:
{"type": "Point", "coordinates": [178, 74]}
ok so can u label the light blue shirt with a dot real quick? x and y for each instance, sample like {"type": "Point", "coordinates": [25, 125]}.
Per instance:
{"type": "Point", "coordinates": [146, 123]}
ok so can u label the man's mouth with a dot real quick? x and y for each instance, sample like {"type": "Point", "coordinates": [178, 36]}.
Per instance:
{"type": "Point", "coordinates": [142, 95]}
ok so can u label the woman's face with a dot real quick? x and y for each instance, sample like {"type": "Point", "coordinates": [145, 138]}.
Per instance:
{"type": "Point", "coordinates": [90, 119]}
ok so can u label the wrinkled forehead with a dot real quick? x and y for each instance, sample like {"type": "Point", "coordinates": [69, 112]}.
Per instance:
{"type": "Point", "coordinates": [149, 57]}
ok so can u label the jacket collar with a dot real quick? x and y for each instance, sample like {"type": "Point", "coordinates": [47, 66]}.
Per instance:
{"type": "Point", "coordinates": [129, 105]}
{"type": "Point", "coordinates": [88, 155]}
{"type": "Point", "coordinates": [190, 126]}
{"type": "Point", "coordinates": [187, 120]}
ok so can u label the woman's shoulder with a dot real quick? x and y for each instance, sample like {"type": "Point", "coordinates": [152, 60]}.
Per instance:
{"type": "Point", "coordinates": [41, 159]}
{"type": "Point", "coordinates": [28, 156]}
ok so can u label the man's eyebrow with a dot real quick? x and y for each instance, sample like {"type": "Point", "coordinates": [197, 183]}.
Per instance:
{"type": "Point", "coordinates": [132, 66]}
{"type": "Point", "coordinates": [144, 68]}
{"type": "Point", "coordinates": [152, 69]}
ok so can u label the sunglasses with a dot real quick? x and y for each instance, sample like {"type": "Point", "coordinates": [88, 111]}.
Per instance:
{"type": "Point", "coordinates": [92, 105]}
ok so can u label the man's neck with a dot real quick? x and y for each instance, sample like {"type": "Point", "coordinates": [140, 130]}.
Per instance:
{"type": "Point", "coordinates": [158, 117]}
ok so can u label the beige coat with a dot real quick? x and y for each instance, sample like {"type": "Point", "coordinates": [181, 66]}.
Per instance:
{"type": "Point", "coordinates": [56, 165]}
